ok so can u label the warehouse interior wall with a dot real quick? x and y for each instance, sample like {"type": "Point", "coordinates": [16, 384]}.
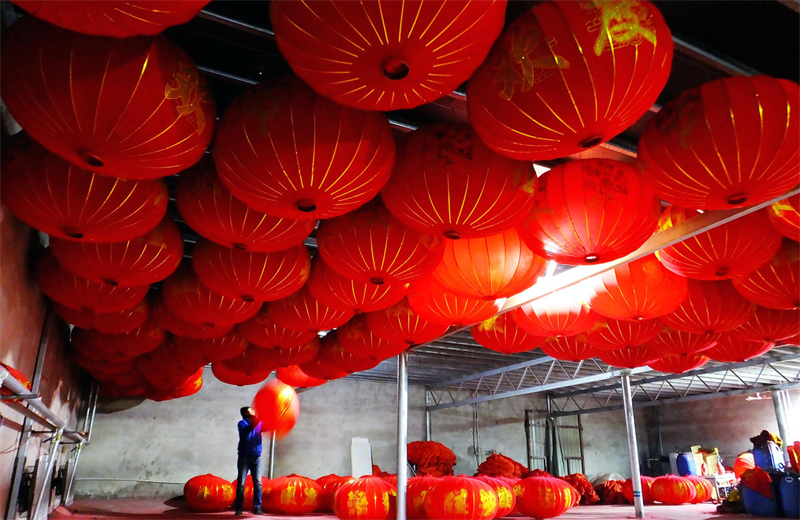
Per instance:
{"type": "Point", "coordinates": [605, 442]}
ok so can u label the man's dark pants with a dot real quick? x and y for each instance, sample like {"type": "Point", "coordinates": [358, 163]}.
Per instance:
{"type": "Point", "coordinates": [253, 464]}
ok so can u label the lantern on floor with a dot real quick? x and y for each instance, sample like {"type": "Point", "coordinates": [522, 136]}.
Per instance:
{"type": "Point", "coordinates": [562, 313]}
{"type": "Point", "coordinates": [673, 490]}
{"type": "Point", "coordinates": [288, 356]}
{"type": "Point", "coordinates": [647, 493]}
{"type": "Point", "coordinates": [126, 345]}
{"type": "Point", "coordinates": [629, 357]}
{"type": "Point", "coordinates": [210, 209]}
{"type": "Point", "coordinates": [639, 290]}
{"type": "Point", "coordinates": [678, 363]}
{"type": "Point", "coordinates": [365, 498]}
{"type": "Point", "coordinates": [294, 376]}
{"type": "Point", "coordinates": [571, 348]}
{"type": "Point", "coordinates": [710, 306]}
{"type": "Point", "coordinates": [142, 109]}
{"type": "Point", "coordinates": [169, 322]}
{"type": "Point", "coordinates": [502, 334]}
{"type": "Point", "coordinates": [591, 211]}
{"type": "Point", "coordinates": [731, 249]}
{"type": "Point", "coordinates": [727, 143]}
{"type": "Point", "coordinates": [264, 331]}
{"type": "Point", "coordinates": [567, 76]}
{"type": "Point", "coordinates": [704, 490]}
{"type": "Point", "coordinates": [670, 341]}
{"type": "Point", "coordinates": [488, 268]}
{"type": "Point", "coordinates": [209, 493]}
{"type": "Point", "coordinates": [370, 245]}
{"type": "Point", "coordinates": [768, 325]}
{"type": "Point", "coordinates": [422, 52]}
{"type": "Point", "coordinates": [64, 201]}
{"type": "Point", "coordinates": [215, 349]}
{"type": "Point", "coordinates": [461, 498]}
{"type": "Point", "coordinates": [301, 312]}
{"type": "Point", "coordinates": [743, 462]}
{"type": "Point", "coordinates": [294, 495]}
{"type": "Point", "coordinates": [251, 276]}
{"type": "Point", "coordinates": [432, 301]}
{"type": "Point", "coordinates": [505, 495]}
{"type": "Point", "coordinates": [544, 497]}
{"type": "Point", "coordinates": [117, 322]}
{"type": "Point", "coordinates": [608, 334]}
{"type": "Point", "coordinates": [315, 159]}
{"type": "Point", "coordinates": [342, 293]}
{"type": "Point", "coordinates": [448, 183]}
{"type": "Point", "coordinates": [401, 324]}
{"type": "Point", "coordinates": [775, 284]}
{"type": "Point", "coordinates": [417, 490]}
{"type": "Point", "coordinates": [277, 407]}
{"type": "Point", "coordinates": [356, 337]}
{"type": "Point", "coordinates": [785, 216]}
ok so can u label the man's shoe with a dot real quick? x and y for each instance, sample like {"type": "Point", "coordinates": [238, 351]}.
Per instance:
{"type": "Point", "coordinates": [258, 511]}
{"type": "Point", "coordinates": [238, 512]}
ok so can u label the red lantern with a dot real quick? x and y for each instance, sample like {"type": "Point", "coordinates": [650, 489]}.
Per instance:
{"type": "Point", "coordinates": [315, 159]}
{"type": "Point", "coordinates": [210, 209]}
{"type": "Point", "coordinates": [365, 498]}
{"type": "Point", "coordinates": [629, 357]}
{"type": "Point", "coordinates": [294, 495]}
{"type": "Point", "coordinates": [251, 276]}
{"type": "Point", "coordinates": [785, 216]}
{"type": "Point", "coordinates": [248, 489]}
{"type": "Point", "coordinates": [562, 313]}
{"type": "Point", "coordinates": [447, 182]}
{"type": "Point", "coordinates": [461, 498]}
{"type": "Point", "coordinates": [608, 334]}
{"type": "Point", "coordinates": [710, 307]}
{"type": "Point", "coordinates": [566, 76]}
{"type": "Point", "coordinates": [370, 245]}
{"type": "Point", "coordinates": [591, 211]}
{"type": "Point", "coordinates": [570, 348]}
{"type": "Point", "coordinates": [647, 492]}
{"type": "Point", "coordinates": [114, 18]}
{"type": "Point", "coordinates": [417, 490]}
{"type": "Point", "coordinates": [289, 356]}
{"type": "Point", "coordinates": [775, 284]}
{"type": "Point", "coordinates": [294, 376]}
{"type": "Point", "coordinates": [544, 497]}
{"type": "Point", "coordinates": [126, 345]}
{"type": "Point", "coordinates": [502, 334]}
{"type": "Point", "coordinates": [728, 143]}
{"type": "Point", "coordinates": [769, 325]}
{"type": "Point", "coordinates": [731, 349]}
{"type": "Point", "coordinates": [117, 322]}
{"type": "Point", "coordinates": [78, 293]}
{"type": "Point", "coordinates": [704, 490]}
{"type": "Point", "coordinates": [432, 301]}
{"type": "Point", "coordinates": [505, 494]}
{"type": "Point", "coordinates": [678, 363]}
{"type": "Point", "coordinates": [673, 490]}
{"type": "Point", "coordinates": [277, 407]}
{"type": "Point", "coordinates": [232, 373]}
{"type": "Point", "coordinates": [743, 462]}
{"type": "Point", "coordinates": [334, 357]}
{"type": "Point", "coordinates": [358, 339]}
{"type": "Point", "coordinates": [302, 312]}
{"type": "Point", "coordinates": [639, 290]}
{"type": "Point", "coordinates": [330, 484]}
{"type": "Point", "coordinates": [675, 342]}
{"type": "Point", "coordinates": [319, 369]}
{"type": "Point", "coordinates": [422, 52]}
{"type": "Point", "coordinates": [341, 293]}
{"type": "Point", "coordinates": [168, 367]}
{"type": "Point", "coordinates": [215, 349]}
{"type": "Point", "coordinates": [141, 261]}
{"type": "Point", "coordinates": [498, 266]}
{"type": "Point", "coordinates": [400, 324]}
{"type": "Point", "coordinates": [136, 108]}
{"type": "Point", "coordinates": [168, 321]}
{"type": "Point", "coordinates": [64, 201]}
{"type": "Point", "coordinates": [190, 300]}
{"type": "Point", "coordinates": [190, 387]}
{"type": "Point", "coordinates": [731, 249]}
{"type": "Point", "coordinates": [207, 492]}
{"type": "Point", "coordinates": [263, 330]}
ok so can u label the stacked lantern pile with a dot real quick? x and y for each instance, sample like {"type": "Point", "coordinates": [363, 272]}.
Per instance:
{"type": "Point", "coordinates": [416, 233]}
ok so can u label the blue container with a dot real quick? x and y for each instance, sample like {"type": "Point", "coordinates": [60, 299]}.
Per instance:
{"type": "Point", "coordinates": [685, 464]}
{"type": "Point", "coordinates": [769, 457]}
{"type": "Point", "coordinates": [757, 504]}
{"type": "Point", "coordinates": [789, 490]}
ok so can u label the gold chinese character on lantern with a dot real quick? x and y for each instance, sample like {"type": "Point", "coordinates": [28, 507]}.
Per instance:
{"type": "Point", "coordinates": [191, 93]}
{"type": "Point", "coordinates": [621, 22]}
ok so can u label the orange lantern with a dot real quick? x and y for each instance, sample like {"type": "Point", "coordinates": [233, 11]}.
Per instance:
{"type": "Point", "coordinates": [288, 356]}
{"type": "Point", "coordinates": [315, 159]}
{"type": "Point", "coordinates": [488, 268]}
{"type": "Point", "coordinates": [342, 293]}
{"type": "Point", "coordinates": [673, 490]}
{"type": "Point", "coordinates": [277, 407]}
{"type": "Point", "coordinates": [264, 331]}
{"type": "Point", "coordinates": [123, 346]}
{"type": "Point", "coordinates": [207, 492]}
{"type": "Point", "coordinates": [370, 245]}
{"type": "Point", "coordinates": [357, 338]}
{"type": "Point", "coordinates": [710, 307]}
{"type": "Point", "coordinates": [629, 357]}
{"type": "Point", "coordinates": [169, 322]}
{"type": "Point", "coordinates": [775, 284]}
{"type": "Point", "coordinates": [64, 201]}
{"type": "Point", "coordinates": [294, 376]}
{"type": "Point", "coordinates": [591, 211]}
{"type": "Point", "coordinates": [502, 334]}
{"type": "Point", "coordinates": [365, 498]}
{"type": "Point", "coordinates": [141, 261]}
{"type": "Point", "coordinates": [301, 312]}
{"type": "Point", "coordinates": [743, 462]}
{"type": "Point", "coordinates": [544, 497]}
{"type": "Point", "coordinates": [727, 143]}
{"type": "Point", "coordinates": [566, 76]}
{"type": "Point", "coordinates": [639, 290]}
{"type": "Point", "coordinates": [210, 209]}
{"type": "Point", "coordinates": [214, 349]}
{"type": "Point", "coordinates": [251, 276]}
{"type": "Point", "coordinates": [608, 334]}
{"type": "Point", "coordinates": [422, 52]}
{"type": "Point", "coordinates": [432, 301]}
{"type": "Point", "coordinates": [448, 183]}
{"type": "Point", "coordinates": [647, 492]}
{"type": "Point", "coordinates": [731, 249]}
{"type": "Point", "coordinates": [678, 363]}
{"type": "Point", "coordinates": [461, 498]}
{"type": "Point", "coordinates": [117, 322]}
{"type": "Point", "coordinates": [136, 108]}
{"type": "Point", "coordinates": [562, 313]}
{"type": "Point", "coordinates": [785, 216]}
{"type": "Point", "coordinates": [294, 495]}
{"type": "Point", "coordinates": [731, 349]}
{"type": "Point", "coordinates": [505, 495]}
{"type": "Point", "coordinates": [769, 325]}
{"type": "Point", "coordinates": [401, 324]}
{"type": "Point", "coordinates": [675, 342]}
{"type": "Point", "coordinates": [570, 348]}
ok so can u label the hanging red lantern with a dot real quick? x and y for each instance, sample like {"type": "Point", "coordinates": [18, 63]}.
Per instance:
{"type": "Point", "coordinates": [431, 300]}
{"type": "Point", "coordinates": [570, 348]}
{"type": "Point", "coordinates": [251, 364]}
{"type": "Point", "coordinates": [190, 300]}
{"type": "Point", "coordinates": [731, 249]}
{"type": "Point", "coordinates": [357, 338]}
{"type": "Point", "coordinates": [288, 356]}
{"type": "Point", "coordinates": [675, 342]}
{"type": "Point", "coordinates": [277, 407]}
{"type": "Point", "coordinates": [230, 374]}
{"type": "Point", "coordinates": [334, 357]}
{"type": "Point", "coordinates": [318, 369]}
{"type": "Point", "coordinates": [135, 108]}
{"type": "Point", "coordinates": [566, 76]}
{"type": "Point", "coordinates": [731, 349]}
{"type": "Point", "coordinates": [315, 159]}
{"type": "Point", "coordinates": [250, 276]}
{"type": "Point", "coordinates": [461, 498]}
{"type": "Point", "coordinates": [169, 322]}
{"type": "Point", "coordinates": [365, 498]}
{"type": "Point", "coordinates": [502, 334]}
{"type": "Point", "coordinates": [189, 387]}
{"type": "Point", "coordinates": [562, 313]}
{"type": "Point", "coordinates": [264, 331]}
{"type": "Point", "coordinates": [210, 209]}
{"type": "Point", "coordinates": [591, 211]}
{"type": "Point", "coordinates": [544, 497]}
{"type": "Point", "coordinates": [505, 494]}
{"type": "Point", "coordinates": [117, 322]}
{"type": "Point", "coordinates": [629, 357]}
{"type": "Point", "coordinates": [769, 325]}
{"type": "Point", "coordinates": [488, 268]}
{"type": "Point", "coordinates": [678, 364]}
{"type": "Point", "coordinates": [608, 334]}
{"type": "Point", "coordinates": [647, 492]}
{"type": "Point", "coordinates": [727, 143]}
{"type": "Point", "coordinates": [141, 261]}
{"type": "Point", "coordinates": [639, 290]}
{"type": "Point", "coordinates": [214, 349]}
{"type": "Point", "coordinates": [673, 490]}
{"type": "Point", "coordinates": [294, 376]}
{"type": "Point", "coordinates": [123, 346]}
{"type": "Point", "coordinates": [401, 324]}
{"type": "Point", "coordinates": [294, 495]}
{"type": "Point", "coordinates": [711, 306]}
{"type": "Point", "coordinates": [344, 294]}
{"type": "Point", "coordinates": [775, 284]}
{"type": "Point", "coordinates": [785, 216]}
{"type": "Point", "coordinates": [78, 293]}
{"type": "Point", "coordinates": [370, 245]}
{"type": "Point", "coordinates": [207, 492]}
{"type": "Point", "coordinates": [64, 201]}
{"type": "Point", "coordinates": [168, 367]}
{"type": "Point", "coordinates": [423, 51]}
{"type": "Point", "coordinates": [448, 183]}
{"type": "Point", "coordinates": [302, 312]}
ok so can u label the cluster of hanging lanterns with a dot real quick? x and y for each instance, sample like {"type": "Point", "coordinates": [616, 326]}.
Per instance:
{"type": "Point", "coordinates": [418, 233]}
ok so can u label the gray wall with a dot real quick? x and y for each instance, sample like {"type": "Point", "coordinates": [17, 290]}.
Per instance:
{"type": "Point", "coordinates": [605, 442]}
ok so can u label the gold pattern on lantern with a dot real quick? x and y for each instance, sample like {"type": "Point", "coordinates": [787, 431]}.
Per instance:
{"type": "Point", "coordinates": [287, 496]}
{"type": "Point", "coordinates": [488, 503]}
{"type": "Point", "coordinates": [781, 207]}
{"type": "Point", "coordinates": [386, 501]}
{"type": "Point", "coordinates": [621, 23]}
{"type": "Point", "coordinates": [191, 94]}
{"type": "Point", "coordinates": [357, 504]}
{"type": "Point", "coordinates": [311, 493]}
{"type": "Point", "coordinates": [505, 497]}
{"type": "Point", "coordinates": [524, 42]}
{"type": "Point", "coordinates": [456, 502]}
{"type": "Point", "coordinates": [491, 325]}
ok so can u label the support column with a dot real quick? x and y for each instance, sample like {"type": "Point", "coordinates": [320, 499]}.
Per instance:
{"type": "Point", "coordinates": [427, 415]}
{"type": "Point", "coordinates": [402, 433]}
{"type": "Point", "coordinates": [271, 467]}
{"type": "Point", "coordinates": [633, 449]}
{"type": "Point", "coordinates": [784, 414]}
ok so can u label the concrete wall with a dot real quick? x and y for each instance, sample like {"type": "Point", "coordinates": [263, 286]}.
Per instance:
{"type": "Point", "coordinates": [605, 442]}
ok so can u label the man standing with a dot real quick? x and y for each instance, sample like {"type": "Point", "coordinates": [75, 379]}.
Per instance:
{"type": "Point", "coordinates": [249, 459]}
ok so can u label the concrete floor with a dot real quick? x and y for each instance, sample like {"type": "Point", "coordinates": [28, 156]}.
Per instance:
{"type": "Point", "coordinates": [175, 509]}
